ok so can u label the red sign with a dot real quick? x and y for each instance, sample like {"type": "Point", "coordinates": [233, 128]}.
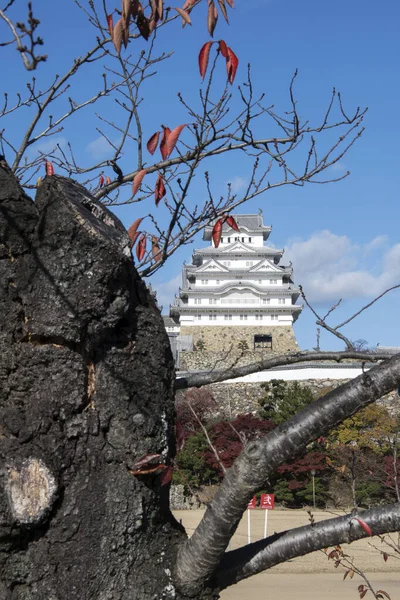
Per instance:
{"type": "Point", "coordinates": [267, 501]}
{"type": "Point", "coordinates": [252, 503]}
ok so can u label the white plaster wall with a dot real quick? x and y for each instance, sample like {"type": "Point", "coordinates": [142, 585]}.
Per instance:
{"type": "Point", "coordinates": [300, 374]}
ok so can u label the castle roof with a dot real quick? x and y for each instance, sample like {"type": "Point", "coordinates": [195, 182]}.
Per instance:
{"type": "Point", "coordinates": [249, 223]}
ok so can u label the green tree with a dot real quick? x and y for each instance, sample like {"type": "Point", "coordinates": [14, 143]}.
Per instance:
{"type": "Point", "coordinates": [283, 400]}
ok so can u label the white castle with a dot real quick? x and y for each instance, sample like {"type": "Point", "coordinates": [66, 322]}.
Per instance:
{"type": "Point", "coordinates": [237, 292]}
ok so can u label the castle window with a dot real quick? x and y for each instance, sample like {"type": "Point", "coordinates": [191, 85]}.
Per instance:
{"type": "Point", "coordinates": [204, 281]}
{"type": "Point", "coordinates": [243, 317]}
{"type": "Point", "coordinates": [212, 317]}
{"type": "Point", "coordinates": [263, 342]}
{"type": "Point", "coordinates": [242, 239]}
{"type": "Point", "coordinates": [260, 281]}
{"type": "Point", "coordinates": [197, 300]}
{"type": "Point", "coordinates": [222, 240]}
{"type": "Point", "coordinates": [274, 317]}
{"type": "Point", "coordinates": [266, 300]}
{"type": "Point", "coordinates": [198, 317]}
{"type": "Point", "coordinates": [217, 281]}
{"type": "Point", "coordinates": [259, 317]}
{"type": "Point", "coordinates": [229, 240]}
{"type": "Point", "coordinates": [212, 301]}
{"type": "Point", "coordinates": [281, 300]}
{"type": "Point", "coordinates": [249, 240]}
{"type": "Point", "coordinates": [228, 317]}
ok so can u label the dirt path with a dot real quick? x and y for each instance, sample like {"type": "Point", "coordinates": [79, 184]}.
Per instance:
{"type": "Point", "coordinates": [292, 579]}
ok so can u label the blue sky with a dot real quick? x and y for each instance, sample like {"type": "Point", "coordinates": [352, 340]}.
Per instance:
{"type": "Point", "coordinates": [343, 238]}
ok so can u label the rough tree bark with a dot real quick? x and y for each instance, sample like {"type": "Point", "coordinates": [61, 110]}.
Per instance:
{"type": "Point", "coordinates": [86, 379]}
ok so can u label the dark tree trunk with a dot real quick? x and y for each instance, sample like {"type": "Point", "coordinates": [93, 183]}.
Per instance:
{"type": "Point", "coordinates": [86, 378]}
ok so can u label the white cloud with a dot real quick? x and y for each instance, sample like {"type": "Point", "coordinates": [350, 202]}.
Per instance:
{"type": "Point", "coordinates": [47, 145]}
{"type": "Point", "coordinates": [100, 148]}
{"type": "Point", "coordinates": [237, 184]}
{"type": "Point", "coordinates": [339, 167]}
{"type": "Point", "coordinates": [166, 292]}
{"type": "Point", "coordinates": [329, 266]}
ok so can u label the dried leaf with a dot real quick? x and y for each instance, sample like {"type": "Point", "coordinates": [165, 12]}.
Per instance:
{"type": "Point", "coordinates": [366, 527]}
{"type": "Point", "coordinates": [165, 134]}
{"type": "Point", "coordinates": [137, 180]}
{"type": "Point", "coordinates": [110, 24]}
{"type": "Point", "coordinates": [134, 237]}
{"type": "Point", "coordinates": [147, 471]}
{"type": "Point", "coordinates": [101, 181]}
{"type": "Point", "coordinates": [143, 25]}
{"type": "Point", "coordinates": [362, 594]}
{"type": "Point", "coordinates": [159, 191]}
{"type": "Point", "coordinates": [223, 9]}
{"type": "Point", "coordinates": [133, 230]}
{"type": "Point", "coordinates": [231, 3]}
{"type": "Point", "coordinates": [188, 5]}
{"type": "Point", "coordinates": [38, 181]}
{"type": "Point", "coordinates": [223, 48]}
{"type": "Point", "coordinates": [155, 248]}
{"type": "Point", "coordinates": [351, 574]}
{"type": "Point", "coordinates": [141, 247]}
{"type": "Point", "coordinates": [361, 588]}
{"type": "Point", "coordinates": [136, 8]}
{"type": "Point", "coordinates": [118, 35]}
{"type": "Point", "coordinates": [126, 10]}
{"type": "Point", "coordinates": [203, 58]}
{"type": "Point", "coordinates": [385, 556]}
{"type": "Point", "coordinates": [345, 575]}
{"type": "Point", "coordinates": [108, 180]}
{"type": "Point", "coordinates": [216, 232]}
{"type": "Point", "coordinates": [212, 17]}
{"type": "Point", "coordinates": [184, 15]}
{"type": "Point", "coordinates": [160, 9]}
{"type": "Point", "coordinates": [232, 63]}
{"type": "Point", "coordinates": [166, 476]}
{"type": "Point", "coordinates": [49, 168]}
{"type": "Point", "coordinates": [382, 593]}
{"type": "Point", "coordinates": [232, 223]}
{"type": "Point", "coordinates": [153, 142]}
{"type": "Point", "coordinates": [171, 139]}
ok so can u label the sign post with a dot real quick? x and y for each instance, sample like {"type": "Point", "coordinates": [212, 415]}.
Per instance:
{"type": "Point", "coordinates": [267, 502]}
{"type": "Point", "coordinates": [251, 505]}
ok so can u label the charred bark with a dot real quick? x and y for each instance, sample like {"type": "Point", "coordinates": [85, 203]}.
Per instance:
{"type": "Point", "coordinates": [86, 389]}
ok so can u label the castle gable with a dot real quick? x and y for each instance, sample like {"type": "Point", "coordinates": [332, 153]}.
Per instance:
{"type": "Point", "coordinates": [265, 266]}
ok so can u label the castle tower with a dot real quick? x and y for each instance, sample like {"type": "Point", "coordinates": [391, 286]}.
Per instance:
{"type": "Point", "coordinates": [237, 296]}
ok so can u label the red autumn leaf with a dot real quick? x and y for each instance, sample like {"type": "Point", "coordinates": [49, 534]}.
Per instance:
{"type": "Point", "coordinates": [223, 9]}
{"type": "Point", "coordinates": [118, 35]}
{"type": "Point", "coordinates": [188, 5]}
{"type": "Point", "coordinates": [108, 180]}
{"type": "Point", "coordinates": [232, 223]}
{"type": "Point", "coordinates": [184, 15]}
{"type": "Point", "coordinates": [165, 134]}
{"type": "Point", "coordinates": [160, 9]}
{"type": "Point", "coordinates": [126, 9]}
{"type": "Point", "coordinates": [141, 247]}
{"type": "Point", "coordinates": [216, 232]}
{"type": "Point", "coordinates": [160, 190]}
{"type": "Point", "coordinates": [366, 527]}
{"type": "Point", "coordinates": [134, 237]}
{"type": "Point", "coordinates": [133, 230]}
{"type": "Point", "coordinates": [147, 471]}
{"type": "Point", "coordinates": [385, 556]}
{"type": "Point", "coordinates": [171, 139]}
{"type": "Point", "coordinates": [223, 48]}
{"type": "Point", "coordinates": [232, 63]}
{"type": "Point", "coordinates": [360, 588]}
{"type": "Point", "coordinates": [101, 181]}
{"type": "Point", "coordinates": [49, 168]}
{"type": "Point", "coordinates": [137, 180]}
{"type": "Point", "coordinates": [145, 460]}
{"type": "Point", "coordinates": [212, 17]}
{"type": "Point", "coordinates": [110, 24]}
{"type": "Point", "coordinates": [153, 142]}
{"type": "Point", "coordinates": [166, 475]}
{"type": "Point", "coordinates": [231, 3]}
{"type": "Point", "coordinates": [362, 594]}
{"type": "Point", "coordinates": [155, 248]}
{"type": "Point", "coordinates": [203, 58]}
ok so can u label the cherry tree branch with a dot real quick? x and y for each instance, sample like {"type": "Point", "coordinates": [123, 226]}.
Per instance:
{"type": "Point", "coordinates": [200, 556]}
{"type": "Point", "coordinates": [265, 364]}
{"type": "Point", "coordinates": [281, 547]}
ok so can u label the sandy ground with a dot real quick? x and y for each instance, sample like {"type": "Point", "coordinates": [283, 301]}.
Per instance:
{"type": "Point", "coordinates": [292, 579]}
